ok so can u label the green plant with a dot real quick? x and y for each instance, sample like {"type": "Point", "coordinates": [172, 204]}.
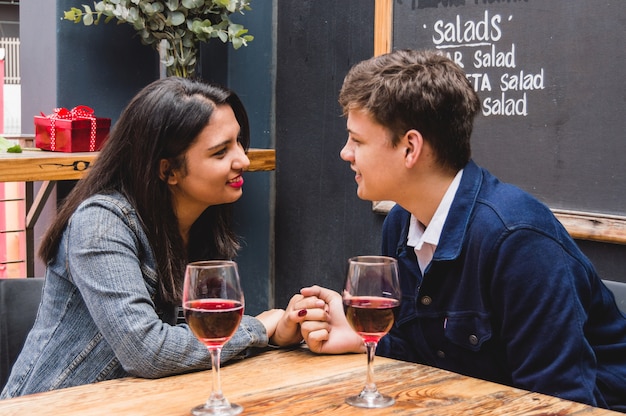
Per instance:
{"type": "Point", "coordinates": [9, 146]}
{"type": "Point", "coordinates": [172, 27]}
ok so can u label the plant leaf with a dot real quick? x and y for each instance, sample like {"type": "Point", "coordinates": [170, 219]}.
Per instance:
{"type": "Point", "coordinates": [192, 4]}
{"type": "Point", "coordinates": [88, 19]}
{"type": "Point", "coordinates": [176, 18]}
{"type": "Point", "coordinates": [15, 149]}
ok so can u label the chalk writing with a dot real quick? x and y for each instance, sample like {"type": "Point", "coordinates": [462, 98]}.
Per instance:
{"type": "Point", "coordinates": [468, 31]}
{"type": "Point", "coordinates": [491, 64]}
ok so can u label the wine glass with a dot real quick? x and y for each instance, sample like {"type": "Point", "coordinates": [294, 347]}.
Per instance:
{"type": "Point", "coordinates": [213, 304]}
{"type": "Point", "coordinates": [370, 296]}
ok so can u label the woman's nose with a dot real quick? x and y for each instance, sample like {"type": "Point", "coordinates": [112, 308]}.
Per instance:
{"type": "Point", "coordinates": [242, 161]}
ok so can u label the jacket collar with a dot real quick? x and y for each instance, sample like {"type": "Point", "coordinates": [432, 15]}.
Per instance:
{"type": "Point", "coordinates": [457, 222]}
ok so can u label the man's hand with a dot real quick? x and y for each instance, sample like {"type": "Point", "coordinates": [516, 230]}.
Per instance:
{"type": "Point", "coordinates": [332, 334]}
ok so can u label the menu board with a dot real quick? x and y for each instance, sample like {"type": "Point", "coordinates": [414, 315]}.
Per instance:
{"type": "Point", "coordinates": [551, 76]}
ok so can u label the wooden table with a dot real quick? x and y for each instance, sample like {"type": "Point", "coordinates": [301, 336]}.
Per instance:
{"type": "Point", "coordinates": [33, 165]}
{"type": "Point", "coordinates": [297, 382]}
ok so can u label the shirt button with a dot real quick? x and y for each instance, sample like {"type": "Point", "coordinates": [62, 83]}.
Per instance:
{"type": "Point", "coordinates": [426, 300]}
{"type": "Point", "coordinates": [441, 354]}
{"type": "Point", "coordinates": [473, 339]}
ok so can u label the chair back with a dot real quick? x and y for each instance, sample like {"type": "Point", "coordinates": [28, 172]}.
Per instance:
{"type": "Point", "coordinates": [619, 291]}
{"type": "Point", "coordinates": [19, 301]}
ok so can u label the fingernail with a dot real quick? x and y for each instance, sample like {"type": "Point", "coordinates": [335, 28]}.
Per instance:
{"type": "Point", "coordinates": [302, 312]}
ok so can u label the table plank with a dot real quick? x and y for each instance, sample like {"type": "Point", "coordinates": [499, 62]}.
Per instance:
{"type": "Point", "coordinates": [419, 390]}
{"type": "Point", "coordinates": [38, 165]}
{"type": "Point", "coordinates": [298, 382]}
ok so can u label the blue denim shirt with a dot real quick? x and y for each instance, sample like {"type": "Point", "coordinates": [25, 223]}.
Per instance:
{"type": "Point", "coordinates": [97, 319]}
{"type": "Point", "coordinates": [508, 297]}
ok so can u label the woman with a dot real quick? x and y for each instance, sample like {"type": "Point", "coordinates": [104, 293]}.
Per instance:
{"type": "Point", "coordinates": [157, 198]}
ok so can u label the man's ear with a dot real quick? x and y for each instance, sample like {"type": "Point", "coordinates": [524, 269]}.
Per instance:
{"type": "Point", "coordinates": [166, 173]}
{"type": "Point", "coordinates": [414, 144]}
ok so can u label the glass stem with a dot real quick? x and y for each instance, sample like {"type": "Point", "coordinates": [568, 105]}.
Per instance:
{"type": "Point", "coordinates": [370, 386]}
{"type": "Point", "coordinates": [216, 397]}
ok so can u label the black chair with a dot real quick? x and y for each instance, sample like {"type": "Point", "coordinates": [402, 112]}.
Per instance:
{"type": "Point", "coordinates": [619, 291]}
{"type": "Point", "coordinates": [19, 301]}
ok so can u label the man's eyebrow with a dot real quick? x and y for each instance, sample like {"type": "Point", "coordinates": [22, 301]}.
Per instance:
{"type": "Point", "coordinates": [352, 132]}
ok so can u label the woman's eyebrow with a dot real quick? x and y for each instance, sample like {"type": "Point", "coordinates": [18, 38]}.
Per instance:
{"type": "Point", "coordinates": [224, 143]}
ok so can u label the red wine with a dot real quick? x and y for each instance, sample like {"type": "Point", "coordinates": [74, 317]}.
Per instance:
{"type": "Point", "coordinates": [213, 321]}
{"type": "Point", "coordinates": [370, 316]}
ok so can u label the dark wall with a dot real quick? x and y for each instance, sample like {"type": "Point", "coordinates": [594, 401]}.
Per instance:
{"type": "Point", "coordinates": [320, 222]}
{"type": "Point", "coordinates": [251, 75]}
{"type": "Point", "coordinates": [102, 66]}
{"type": "Point", "coordinates": [609, 259]}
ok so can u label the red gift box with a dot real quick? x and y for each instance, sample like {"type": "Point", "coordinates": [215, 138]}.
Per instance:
{"type": "Point", "coordinates": [75, 130]}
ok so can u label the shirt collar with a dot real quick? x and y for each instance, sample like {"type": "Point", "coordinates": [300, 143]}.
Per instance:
{"type": "Point", "coordinates": [418, 235]}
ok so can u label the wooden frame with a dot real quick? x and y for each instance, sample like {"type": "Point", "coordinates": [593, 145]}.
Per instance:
{"type": "Point", "coordinates": [37, 165]}
{"type": "Point", "coordinates": [581, 225]}
{"type": "Point", "coordinates": [383, 26]}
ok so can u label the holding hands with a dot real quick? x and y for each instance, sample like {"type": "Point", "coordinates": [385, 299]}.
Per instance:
{"type": "Point", "coordinates": [283, 326]}
{"type": "Point", "coordinates": [316, 316]}
{"type": "Point", "coordinates": [331, 334]}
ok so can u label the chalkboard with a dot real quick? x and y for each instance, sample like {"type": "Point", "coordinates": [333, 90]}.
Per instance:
{"type": "Point", "coordinates": [551, 75]}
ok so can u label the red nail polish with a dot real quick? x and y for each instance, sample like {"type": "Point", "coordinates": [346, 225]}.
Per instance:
{"type": "Point", "coordinates": [302, 312]}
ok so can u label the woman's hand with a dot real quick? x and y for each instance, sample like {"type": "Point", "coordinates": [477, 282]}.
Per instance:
{"type": "Point", "coordinates": [300, 308]}
{"type": "Point", "coordinates": [270, 319]}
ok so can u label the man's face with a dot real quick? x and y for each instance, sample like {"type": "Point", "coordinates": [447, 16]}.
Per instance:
{"type": "Point", "coordinates": [372, 157]}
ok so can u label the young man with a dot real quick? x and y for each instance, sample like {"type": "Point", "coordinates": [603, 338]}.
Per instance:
{"type": "Point", "coordinates": [493, 285]}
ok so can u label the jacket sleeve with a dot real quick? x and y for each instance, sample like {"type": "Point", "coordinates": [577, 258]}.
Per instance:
{"type": "Point", "coordinates": [107, 263]}
{"type": "Point", "coordinates": [543, 295]}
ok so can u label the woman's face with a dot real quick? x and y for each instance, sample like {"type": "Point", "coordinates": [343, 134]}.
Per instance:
{"type": "Point", "coordinates": [214, 164]}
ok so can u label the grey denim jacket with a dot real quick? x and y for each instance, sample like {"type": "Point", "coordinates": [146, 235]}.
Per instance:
{"type": "Point", "coordinates": [97, 319]}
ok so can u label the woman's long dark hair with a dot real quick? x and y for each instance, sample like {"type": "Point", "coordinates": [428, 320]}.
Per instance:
{"type": "Point", "coordinates": [160, 122]}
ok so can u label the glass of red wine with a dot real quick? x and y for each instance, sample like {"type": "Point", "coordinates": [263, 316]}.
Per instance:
{"type": "Point", "coordinates": [213, 304]}
{"type": "Point", "coordinates": [370, 297]}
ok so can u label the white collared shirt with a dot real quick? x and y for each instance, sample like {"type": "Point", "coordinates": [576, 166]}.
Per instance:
{"type": "Point", "coordinates": [426, 239]}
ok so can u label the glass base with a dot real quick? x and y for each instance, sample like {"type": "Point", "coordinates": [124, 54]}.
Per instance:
{"type": "Point", "coordinates": [220, 410]}
{"type": "Point", "coordinates": [370, 400]}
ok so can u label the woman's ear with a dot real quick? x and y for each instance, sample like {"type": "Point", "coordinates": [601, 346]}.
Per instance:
{"type": "Point", "coordinates": [166, 173]}
{"type": "Point", "coordinates": [414, 143]}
